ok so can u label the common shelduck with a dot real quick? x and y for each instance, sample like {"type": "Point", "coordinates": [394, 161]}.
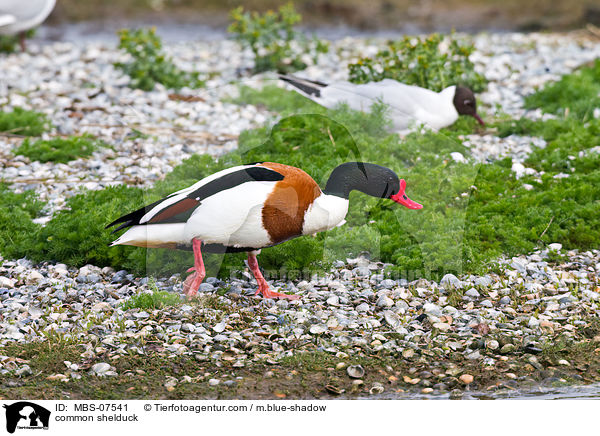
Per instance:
{"type": "Point", "coordinates": [253, 206]}
{"type": "Point", "coordinates": [408, 105]}
{"type": "Point", "coordinates": [17, 16]}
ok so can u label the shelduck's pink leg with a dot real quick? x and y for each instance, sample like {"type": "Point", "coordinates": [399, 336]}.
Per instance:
{"type": "Point", "coordinates": [192, 283]}
{"type": "Point", "coordinates": [263, 286]}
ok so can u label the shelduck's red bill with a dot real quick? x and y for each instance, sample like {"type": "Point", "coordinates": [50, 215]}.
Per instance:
{"type": "Point", "coordinates": [478, 118]}
{"type": "Point", "coordinates": [402, 199]}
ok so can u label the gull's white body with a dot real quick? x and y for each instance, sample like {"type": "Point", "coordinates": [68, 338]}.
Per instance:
{"type": "Point", "coordinates": [20, 15]}
{"type": "Point", "coordinates": [409, 105]}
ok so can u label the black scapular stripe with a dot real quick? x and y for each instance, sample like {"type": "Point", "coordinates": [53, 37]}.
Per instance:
{"type": "Point", "coordinates": [228, 181]}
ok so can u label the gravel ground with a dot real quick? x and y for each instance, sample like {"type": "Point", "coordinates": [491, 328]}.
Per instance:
{"type": "Point", "coordinates": [497, 323]}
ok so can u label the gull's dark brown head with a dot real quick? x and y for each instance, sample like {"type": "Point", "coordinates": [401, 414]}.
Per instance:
{"type": "Point", "coordinates": [465, 103]}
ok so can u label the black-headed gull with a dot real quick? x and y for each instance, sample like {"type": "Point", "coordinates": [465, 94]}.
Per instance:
{"type": "Point", "coordinates": [409, 105]}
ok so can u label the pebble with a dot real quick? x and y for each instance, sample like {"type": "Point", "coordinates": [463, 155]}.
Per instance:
{"type": "Point", "coordinates": [100, 368]}
{"type": "Point", "coordinates": [450, 280]}
{"type": "Point", "coordinates": [391, 318]}
{"type": "Point", "coordinates": [466, 379]}
{"type": "Point", "coordinates": [507, 348]}
{"type": "Point", "coordinates": [220, 327]}
{"type": "Point", "coordinates": [206, 287]}
{"type": "Point", "coordinates": [334, 300]}
{"type": "Point", "coordinates": [442, 326]}
{"type": "Point", "coordinates": [34, 277]}
{"type": "Point", "coordinates": [385, 301]}
{"type": "Point", "coordinates": [318, 329]}
{"type": "Point", "coordinates": [363, 307]}
{"type": "Point", "coordinates": [432, 309]}
{"type": "Point", "coordinates": [23, 371]}
{"type": "Point", "coordinates": [472, 293]}
{"type": "Point", "coordinates": [387, 284]}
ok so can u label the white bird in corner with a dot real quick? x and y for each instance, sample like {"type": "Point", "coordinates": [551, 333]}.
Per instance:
{"type": "Point", "coordinates": [409, 105]}
{"type": "Point", "coordinates": [18, 16]}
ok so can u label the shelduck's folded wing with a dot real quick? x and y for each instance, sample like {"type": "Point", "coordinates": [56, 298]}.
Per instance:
{"type": "Point", "coordinates": [179, 206]}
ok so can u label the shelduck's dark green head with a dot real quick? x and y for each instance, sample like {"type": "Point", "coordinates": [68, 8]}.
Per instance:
{"type": "Point", "coordinates": [370, 179]}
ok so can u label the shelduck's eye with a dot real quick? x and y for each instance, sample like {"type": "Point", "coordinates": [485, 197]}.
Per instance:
{"type": "Point", "coordinates": [468, 102]}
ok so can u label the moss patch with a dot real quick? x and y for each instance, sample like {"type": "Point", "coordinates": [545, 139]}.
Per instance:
{"type": "Point", "coordinates": [60, 150]}
{"type": "Point", "coordinates": [23, 122]}
{"type": "Point", "coordinates": [16, 214]}
{"type": "Point", "coordinates": [155, 300]}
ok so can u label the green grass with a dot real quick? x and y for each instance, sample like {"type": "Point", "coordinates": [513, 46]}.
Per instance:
{"type": "Point", "coordinates": [277, 99]}
{"type": "Point", "coordinates": [149, 65]}
{"type": "Point", "coordinates": [60, 150]}
{"type": "Point", "coordinates": [156, 300]}
{"type": "Point", "coordinates": [274, 40]}
{"type": "Point", "coordinates": [16, 213]}
{"type": "Point", "coordinates": [433, 62]}
{"type": "Point", "coordinates": [23, 122]}
{"type": "Point", "coordinates": [576, 94]}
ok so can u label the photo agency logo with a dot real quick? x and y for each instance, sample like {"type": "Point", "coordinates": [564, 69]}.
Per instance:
{"type": "Point", "coordinates": [24, 415]}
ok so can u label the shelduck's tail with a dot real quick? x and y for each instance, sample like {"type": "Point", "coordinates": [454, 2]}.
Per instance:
{"type": "Point", "coordinates": [153, 236]}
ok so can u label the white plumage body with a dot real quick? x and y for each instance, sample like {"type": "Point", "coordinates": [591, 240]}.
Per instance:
{"type": "Point", "coordinates": [408, 105]}
{"type": "Point", "coordinates": [326, 212]}
{"type": "Point", "coordinates": [232, 218]}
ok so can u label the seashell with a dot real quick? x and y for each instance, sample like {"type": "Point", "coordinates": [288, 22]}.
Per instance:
{"type": "Point", "coordinates": [220, 327]}
{"type": "Point", "coordinates": [355, 371]}
{"type": "Point", "coordinates": [391, 318]}
{"type": "Point", "coordinates": [334, 390]}
{"type": "Point", "coordinates": [376, 389]}
{"type": "Point", "coordinates": [317, 329]}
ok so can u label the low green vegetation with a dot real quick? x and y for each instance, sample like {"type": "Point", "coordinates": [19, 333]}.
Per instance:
{"type": "Point", "coordinates": [9, 43]}
{"type": "Point", "coordinates": [272, 37]}
{"type": "Point", "coordinates": [422, 62]}
{"type": "Point", "coordinates": [16, 214]}
{"type": "Point", "coordinates": [278, 100]}
{"type": "Point", "coordinates": [472, 213]}
{"type": "Point", "coordinates": [574, 95]}
{"type": "Point", "coordinates": [149, 64]}
{"type": "Point", "coordinates": [19, 121]}
{"type": "Point", "coordinates": [58, 149]}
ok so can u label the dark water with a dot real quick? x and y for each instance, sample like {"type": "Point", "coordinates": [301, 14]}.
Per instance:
{"type": "Point", "coordinates": [588, 392]}
{"type": "Point", "coordinates": [584, 392]}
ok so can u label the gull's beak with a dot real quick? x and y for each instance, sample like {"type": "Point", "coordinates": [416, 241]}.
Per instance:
{"type": "Point", "coordinates": [478, 118]}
